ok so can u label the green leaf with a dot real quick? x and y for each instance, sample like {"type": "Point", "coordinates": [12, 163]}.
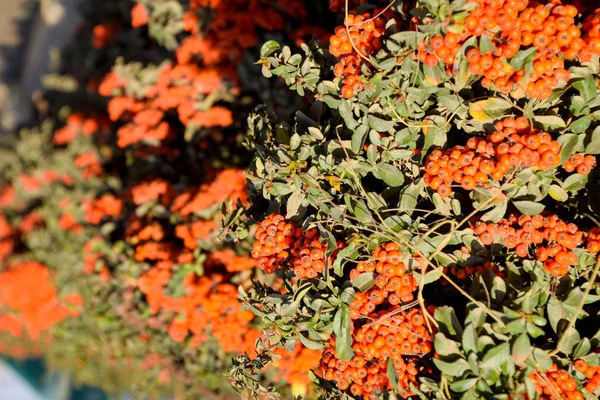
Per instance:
{"type": "Point", "coordinates": [408, 38]}
{"type": "Point", "coordinates": [343, 339]}
{"type": "Point", "coordinates": [529, 207]}
{"type": "Point", "coordinates": [409, 196]}
{"type": "Point", "coordinates": [496, 356]}
{"type": "Point", "coordinates": [294, 203]}
{"type": "Point", "coordinates": [269, 48]}
{"type": "Point", "coordinates": [587, 87]}
{"type": "Point", "coordinates": [449, 324]}
{"type": "Point", "coordinates": [486, 45]}
{"type": "Point", "coordinates": [550, 122]}
{"type": "Point", "coordinates": [523, 57]}
{"type": "Point", "coordinates": [390, 174]}
{"type": "Point", "coordinates": [581, 124]}
{"type": "Point", "coordinates": [575, 182]}
{"type": "Point", "coordinates": [465, 384]}
{"type": "Point", "coordinates": [469, 339]}
{"type": "Point", "coordinates": [568, 146]}
{"type": "Point", "coordinates": [489, 109]}
{"type": "Point", "coordinates": [593, 144]}
{"type": "Point", "coordinates": [346, 114]}
{"type": "Point", "coordinates": [569, 339]}
{"type": "Point", "coordinates": [358, 138]}
{"type": "Point", "coordinates": [521, 349]}
{"type": "Point", "coordinates": [454, 368]}
{"type": "Point", "coordinates": [311, 344]}
{"type": "Point", "coordinates": [496, 213]}
{"type": "Point", "coordinates": [379, 124]}
{"type": "Point", "coordinates": [444, 346]}
{"type": "Point", "coordinates": [363, 282]}
{"type": "Point", "coordinates": [392, 374]}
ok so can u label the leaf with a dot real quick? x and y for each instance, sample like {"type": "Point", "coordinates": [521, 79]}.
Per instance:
{"type": "Point", "coordinates": [449, 324]}
{"type": "Point", "coordinates": [529, 207]}
{"type": "Point", "coordinates": [379, 124]}
{"type": "Point", "coordinates": [550, 122]}
{"type": "Point", "coordinates": [392, 374]}
{"type": "Point", "coordinates": [346, 114]}
{"type": "Point", "coordinates": [469, 339]}
{"type": "Point", "coordinates": [409, 38]}
{"type": "Point", "coordinates": [496, 213]}
{"type": "Point", "coordinates": [311, 344]}
{"type": "Point", "coordinates": [558, 193]}
{"type": "Point", "coordinates": [363, 282]}
{"type": "Point", "coordinates": [444, 346]}
{"type": "Point", "coordinates": [486, 45]}
{"type": "Point", "coordinates": [269, 48]}
{"type": "Point", "coordinates": [294, 203]}
{"type": "Point", "coordinates": [465, 384]}
{"type": "Point", "coordinates": [593, 145]}
{"type": "Point", "coordinates": [496, 356]}
{"type": "Point", "coordinates": [409, 196]}
{"type": "Point", "coordinates": [343, 339]}
{"type": "Point", "coordinates": [390, 174]}
{"type": "Point", "coordinates": [454, 368]}
{"type": "Point", "coordinates": [358, 138]}
{"type": "Point", "coordinates": [523, 57]}
{"type": "Point", "coordinates": [581, 124]}
{"type": "Point", "coordinates": [489, 109]}
{"type": "Point", "coordinates": [569, 339]}
{"type": "Point", "coordinates": [521, 349]}
{"type": "Point", "coordinates": [568, 146]}
{"type": "Point", "coordinates": [575, 182]}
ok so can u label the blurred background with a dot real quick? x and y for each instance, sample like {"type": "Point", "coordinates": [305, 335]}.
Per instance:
{"type": "Point", "coordinates": [31, 33]}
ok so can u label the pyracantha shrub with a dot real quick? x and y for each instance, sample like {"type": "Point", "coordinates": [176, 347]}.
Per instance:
{"type": "Point", "coordinates": [444, 161]}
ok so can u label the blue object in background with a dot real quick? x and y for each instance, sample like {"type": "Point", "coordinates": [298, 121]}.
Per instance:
{"type": "Point", "coordinates": [29, 380]}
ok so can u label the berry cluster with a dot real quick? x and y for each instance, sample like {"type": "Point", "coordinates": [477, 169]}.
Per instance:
{"type": "Point", "coordinates": [355, 41]}
{"type": "Point", "coordinates": [468, 271]}
{"type": "Point", "coordinates": [591, 26]}
{"type": "Point", "coordinates": [592, 374]}
{"type": "Point", "coordinates": [583, 164]}
{"type": "Point", "coordinates": [550, 239]}
{"type": "Point", "coordinates": [280, 243]}
{"type": "Point", "coordinates": [400, 336]}
{"type": "Point", "coordinates": [513, 144]}
{"type": "Point", "coordinates": [308, 255]}
{"type": "Point", "coordinates": [443, 48]}
{"type": "Point", "coordinates": [512, 26]}
{"type": "Point", "coordinates": [392, 284]}
{"type": "Point", "coordinates": [593, 241]}
{"type": "Point", "coordinates": [555, 383]}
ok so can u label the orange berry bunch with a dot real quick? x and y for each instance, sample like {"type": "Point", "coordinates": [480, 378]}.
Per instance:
{"type": "Point", "coordinates": [513, 144]}
{"type": "Point", "coordinates": [555, 384]}
{"type": "Point", "coordinates": [274, 238]}
{"type": "Point", "coordinates": [592, 374]}
{"type": "Point", "coordinates": [549, 28]}
{"type": "Point", "coordinates": [552, 239]}
{"type": "Point", "coordinates": [392, 284]}
{"type": "Point", "coordinates": [591, 26]}
{"type": "Point", "coordinates": [583, 164]}
{"type": "Point", "coordinates": [468, 271]}
{"type": "Point", "coordinates": [593, 240]}
{"type": "Point", "coordinates": [514, 25]}
{"type": "Point", "coordinates": [308, 255]}
{"type": "Point", "coordinates": [280, 243]}
{"type": "Point", "coordinates": [354, 41]}
{"type": "Point", "coordinates": [444, 48]}
{"type": "Point", "coordinates": [399, 336]}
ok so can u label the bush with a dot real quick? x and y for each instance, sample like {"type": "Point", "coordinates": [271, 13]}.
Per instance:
{"type": "Point", "coordinates": [415, 215]}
